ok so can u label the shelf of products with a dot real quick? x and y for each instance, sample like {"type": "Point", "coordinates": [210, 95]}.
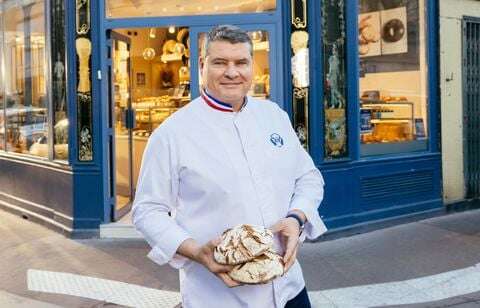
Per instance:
{"type": "Point", "coordinates": [384, 122]}
{"type": "Point", "coordinates": [150, 112]}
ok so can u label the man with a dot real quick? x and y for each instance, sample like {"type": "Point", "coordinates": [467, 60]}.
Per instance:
{"type": "Point", "coordinates": [227, 159]}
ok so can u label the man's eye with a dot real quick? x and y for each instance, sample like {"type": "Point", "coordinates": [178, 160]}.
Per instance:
{"type": "Point", "coordinates": [218, 62]}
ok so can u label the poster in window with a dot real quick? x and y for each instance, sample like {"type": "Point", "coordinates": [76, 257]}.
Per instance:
{"type": "Point", "coordinates": [400, 45]}
{"type": "Point", "coordinates": [365, 121]}
{"type": "Point", "coordinates": [394, 31]}
{"type": "Point", "coordinates": [419, 129]}
{"type": "Point", "coordinates": [369, 34]}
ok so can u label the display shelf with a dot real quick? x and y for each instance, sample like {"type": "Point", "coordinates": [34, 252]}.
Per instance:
{"type": "Point", "coordinates": [390, 121]}
{"type": "Point", "coordinates": [170, 57]}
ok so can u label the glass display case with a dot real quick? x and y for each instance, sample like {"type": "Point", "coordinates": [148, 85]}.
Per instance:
{"type": "Point", "coordinates": [387, 121]}
{"type": "Point", "coordinates": [150, 112]}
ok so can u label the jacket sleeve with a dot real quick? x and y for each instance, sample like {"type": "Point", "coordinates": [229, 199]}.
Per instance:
{"type": "Point", "coordinates": [308, 191]}
{"type": "Point", "coordinates": [155, 201]}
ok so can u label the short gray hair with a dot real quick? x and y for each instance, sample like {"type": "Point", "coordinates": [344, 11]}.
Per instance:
{"type": "Point", "coordinates": [226, 33]}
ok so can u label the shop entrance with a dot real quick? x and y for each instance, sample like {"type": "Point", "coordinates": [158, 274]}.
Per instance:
{"type": "Point", "coordinates": [153, 73]}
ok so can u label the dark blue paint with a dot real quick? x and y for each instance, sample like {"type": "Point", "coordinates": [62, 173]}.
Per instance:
{"type": "Point", "coordinates": [316, 113]}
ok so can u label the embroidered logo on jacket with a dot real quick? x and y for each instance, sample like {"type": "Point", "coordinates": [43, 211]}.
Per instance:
{"type": "Point", "coordinates": [276, 140]}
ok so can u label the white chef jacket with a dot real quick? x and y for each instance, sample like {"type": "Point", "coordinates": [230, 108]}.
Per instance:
{"type": "Point", "coordinates": [213, 170]}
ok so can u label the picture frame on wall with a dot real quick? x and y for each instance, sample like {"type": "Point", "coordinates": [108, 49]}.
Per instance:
{"type": "Point", "coordinates": [140, 79]}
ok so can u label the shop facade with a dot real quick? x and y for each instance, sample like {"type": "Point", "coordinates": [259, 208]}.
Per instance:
{"type": "Point", "coordinates": [358, 78]}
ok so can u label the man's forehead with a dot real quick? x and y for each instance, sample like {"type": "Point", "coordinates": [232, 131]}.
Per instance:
{"type": "Point", "coordinates": [226, 49]}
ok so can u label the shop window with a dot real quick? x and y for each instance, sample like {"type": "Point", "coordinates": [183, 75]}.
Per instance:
{"type": "Point", "coordinates": [261, 68]}
{"type": "Point", "coordinates": [148, 8]}
{"type": "Point", "coordinates": [393, 76]}
{"type": "Point", "coordinates": [25, 78]}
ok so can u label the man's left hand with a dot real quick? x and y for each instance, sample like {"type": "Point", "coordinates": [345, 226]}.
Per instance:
{"type": "Point", "coordinates": [289, 231]}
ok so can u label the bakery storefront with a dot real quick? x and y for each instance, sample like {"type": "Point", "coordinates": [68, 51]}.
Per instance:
{"type": "Point", "coordinates": [85, 85]}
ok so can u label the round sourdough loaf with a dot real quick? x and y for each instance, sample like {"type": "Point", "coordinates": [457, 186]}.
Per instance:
{"type": "Point", "coordinates": [242, 244]}
{"type": "Point", "coordinates": [262, 269]}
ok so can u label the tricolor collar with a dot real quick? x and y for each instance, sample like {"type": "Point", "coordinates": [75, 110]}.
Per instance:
{"type": "Point", "coordinates": [216, 104]}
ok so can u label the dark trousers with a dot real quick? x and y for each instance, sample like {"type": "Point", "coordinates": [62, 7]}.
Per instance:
{"type": "Point", "coordinates": [299, 301]}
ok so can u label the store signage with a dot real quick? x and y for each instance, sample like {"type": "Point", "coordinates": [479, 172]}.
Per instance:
{"type": "Point", "coordinates": [365, 121]}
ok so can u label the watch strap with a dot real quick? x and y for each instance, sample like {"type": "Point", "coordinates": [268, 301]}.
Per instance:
{"type": "Point", "coordinates": [301, 223]}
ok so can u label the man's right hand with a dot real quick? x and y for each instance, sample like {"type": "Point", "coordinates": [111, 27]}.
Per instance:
{"type": "Point", "coordinates": [204, 255]}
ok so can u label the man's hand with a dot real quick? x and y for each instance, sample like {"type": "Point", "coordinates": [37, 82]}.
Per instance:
{"type": "Point", "coordinates": [289, 231]}
{"type": "Point", "coordinates": [204, 255]}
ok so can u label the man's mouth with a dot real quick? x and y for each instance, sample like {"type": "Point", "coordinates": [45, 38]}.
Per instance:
{"type": "Point", "coordinates": [230, 84]}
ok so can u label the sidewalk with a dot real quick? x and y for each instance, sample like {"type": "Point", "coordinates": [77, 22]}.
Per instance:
{"type": "Point", "coordinates": [338, 273]}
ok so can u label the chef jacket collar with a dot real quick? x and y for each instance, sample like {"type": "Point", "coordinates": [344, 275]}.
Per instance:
{"type": "Point", "coordinates": [218, 104]}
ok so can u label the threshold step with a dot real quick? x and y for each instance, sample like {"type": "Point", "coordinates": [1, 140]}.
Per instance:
{"type": "Point", "coordinates": [119, 230]}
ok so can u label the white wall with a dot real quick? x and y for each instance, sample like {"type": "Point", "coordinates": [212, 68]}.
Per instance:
{"type": "Point", "coordinates": [451, 12]}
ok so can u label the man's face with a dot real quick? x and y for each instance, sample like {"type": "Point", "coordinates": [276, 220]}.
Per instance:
{"type": "Point", "coordinates": [227, 71]}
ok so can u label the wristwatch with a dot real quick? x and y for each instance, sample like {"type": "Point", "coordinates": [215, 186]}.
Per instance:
{"type": "Point", "coordinates": [301, 223]}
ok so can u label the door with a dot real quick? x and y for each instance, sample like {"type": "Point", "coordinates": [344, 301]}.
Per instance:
{"type": "Point", "coordinates": [267, 73]}
{"type": "Point", "coordinates": [122, 124]}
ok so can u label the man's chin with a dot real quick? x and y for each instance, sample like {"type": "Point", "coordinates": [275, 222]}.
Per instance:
{"type": "Point", "coordinates": [233, 97]}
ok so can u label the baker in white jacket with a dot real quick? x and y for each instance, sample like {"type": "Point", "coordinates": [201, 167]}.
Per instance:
{"type": "Point", "coordinates": [227, 159]}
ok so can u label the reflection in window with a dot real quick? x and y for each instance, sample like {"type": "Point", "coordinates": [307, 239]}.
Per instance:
{"type": "Point", "coordinates": [25, 77]}
{"type": "Point", "coordinates": [393, 72]}
{"type": "Point", "coordinates": [59, 98]}
{"type": "Point", "coordinates": [261, 67]}
{"type": "Point", "coordinates": [143, 8]}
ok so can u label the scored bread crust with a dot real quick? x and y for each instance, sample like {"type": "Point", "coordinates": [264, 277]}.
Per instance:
{"type": "Point", "coordinates": [262, 269]}
{"type": "Point", "coordinates": [242, 244]}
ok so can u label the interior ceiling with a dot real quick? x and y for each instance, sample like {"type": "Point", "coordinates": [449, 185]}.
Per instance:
{"type": "Point", "coordinates": [185, 7]}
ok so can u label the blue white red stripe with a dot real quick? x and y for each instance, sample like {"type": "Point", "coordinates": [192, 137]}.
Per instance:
{"type": "Point", "coordinates": [216, 104]}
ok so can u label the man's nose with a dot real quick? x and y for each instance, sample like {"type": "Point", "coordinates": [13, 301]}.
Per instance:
{"type": "Point", "coordinates": [231, 72]}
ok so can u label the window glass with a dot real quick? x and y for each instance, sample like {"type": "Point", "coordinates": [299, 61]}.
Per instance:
{"type": "Point", "coordinates": [59, 98]}
{"type": "Point", "coordinates": [393, 76]}
{"type": "Point", "coordinates": [261, 66]}
{"type": "Point", "coordinates": [143, 8]}
{"type": "Point", "coordinates": [25, 77]}
{"type": "Point", "coordinates": [151, 78]}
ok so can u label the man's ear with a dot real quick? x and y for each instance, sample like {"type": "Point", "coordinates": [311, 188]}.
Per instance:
{"type": "Point", "coordinates": [201, 64]}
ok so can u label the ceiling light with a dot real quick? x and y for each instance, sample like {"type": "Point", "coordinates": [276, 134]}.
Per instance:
{"type": "Point", "coordinates": [171, 29]}
{"type": "Point", "coordinates": [148, 53]}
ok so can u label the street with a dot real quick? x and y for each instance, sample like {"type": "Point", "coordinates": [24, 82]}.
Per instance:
{"type": "Point", "coordinates": [429, 263]}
